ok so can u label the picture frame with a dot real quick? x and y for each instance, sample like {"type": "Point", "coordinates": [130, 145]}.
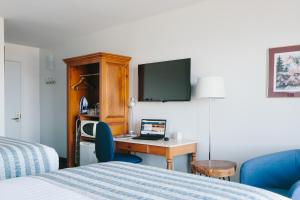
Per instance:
{"type": "Point", "coordinates": [284, 72]}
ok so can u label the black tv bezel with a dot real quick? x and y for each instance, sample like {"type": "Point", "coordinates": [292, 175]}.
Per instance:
{"type": "Point", "coordinates": [164, 100]}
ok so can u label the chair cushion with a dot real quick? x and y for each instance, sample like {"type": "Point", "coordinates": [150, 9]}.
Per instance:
{"type": "Point", "coordinates": [127, 158]}
{"type": "Point", "coordinates": [280, 191]}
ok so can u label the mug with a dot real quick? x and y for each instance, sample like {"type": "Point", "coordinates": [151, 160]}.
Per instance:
{"type": "Point", "coordinates": [178, 136]}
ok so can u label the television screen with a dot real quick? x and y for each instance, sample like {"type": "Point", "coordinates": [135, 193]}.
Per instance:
{"type": "Point", "coordinates": [165, 81]}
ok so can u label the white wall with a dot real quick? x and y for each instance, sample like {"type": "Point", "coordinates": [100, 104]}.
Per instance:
{"type": "Point", "coordinates": [226, 38]}
{"type": "Point", "coordinates": [47, 97]}
{"type": "Point", "coordinates": [2, 113]}
{"type": "Point", "coordinates": [30, 103]}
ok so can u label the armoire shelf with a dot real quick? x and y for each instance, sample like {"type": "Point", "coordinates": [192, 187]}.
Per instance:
{"type": "Point", "coordinates": [107, 84]}
{"type": "Point", "coordinates": [87, 117]}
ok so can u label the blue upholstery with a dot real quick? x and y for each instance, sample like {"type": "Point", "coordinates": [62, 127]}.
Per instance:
{"type": "Point", "coordinates": [283, 192]}
{"type": "Point", "coordinates": [278, 172]}
{"type": "Point", "coordinates": [127, 158]}
{"type": "Point", "coordinates": [104, 145]}
{"type": "Point", "coordinates": [105, 148]}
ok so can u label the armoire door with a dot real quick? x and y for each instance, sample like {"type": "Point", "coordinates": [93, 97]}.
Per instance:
{"type": "Point", "coordinates": [114, 95]}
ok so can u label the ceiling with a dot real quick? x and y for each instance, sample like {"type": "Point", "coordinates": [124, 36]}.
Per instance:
{"type": "Point", "coordinates": [46, 22]}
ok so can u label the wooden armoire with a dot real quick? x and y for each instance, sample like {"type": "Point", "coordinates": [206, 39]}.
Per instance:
{"type": "Point", "coordinates": [105, 86]}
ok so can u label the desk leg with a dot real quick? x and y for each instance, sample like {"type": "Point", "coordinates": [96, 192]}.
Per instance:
{"type": "Point", "coordinates": [170, 163]}
{"type": "Point", "coordinates": [193, 159]}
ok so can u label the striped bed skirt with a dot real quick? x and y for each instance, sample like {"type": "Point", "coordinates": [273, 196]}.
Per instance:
{"type": "Point", "coordinates": [19, 158]}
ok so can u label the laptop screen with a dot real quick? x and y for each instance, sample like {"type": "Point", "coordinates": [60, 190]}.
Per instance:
{"type": "Point", "coordinates": [153, 127]}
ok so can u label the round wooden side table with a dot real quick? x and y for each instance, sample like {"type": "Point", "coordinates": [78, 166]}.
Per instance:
{"type": "Point", "coordinates": [214, 168]}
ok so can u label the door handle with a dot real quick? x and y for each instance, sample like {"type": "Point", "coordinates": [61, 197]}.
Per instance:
{"type": "Point", "coordinates": [18, 117]}
{"type": "Point", "coordinates": [15, 118]}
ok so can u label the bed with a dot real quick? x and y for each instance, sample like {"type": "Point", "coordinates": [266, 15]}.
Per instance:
{"type": "Point", "coordinates": [120, 181]}
{"type": "Point", "coordinates": [19, 158]}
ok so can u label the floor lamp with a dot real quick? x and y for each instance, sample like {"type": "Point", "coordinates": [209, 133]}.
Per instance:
{"type": "Point", "coordinates": [211, 88]}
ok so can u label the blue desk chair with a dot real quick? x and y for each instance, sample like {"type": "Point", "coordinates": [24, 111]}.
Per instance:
{"type": "Point", "coordinates": [105, 147]}
{"type": "Point", "coordinates": [278, 172]}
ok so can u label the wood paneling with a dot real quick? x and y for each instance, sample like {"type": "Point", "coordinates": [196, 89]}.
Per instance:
{"type": "Point", "coordinates": [118, 128]}
{"type": "Point", "coordinates": [114, 95]}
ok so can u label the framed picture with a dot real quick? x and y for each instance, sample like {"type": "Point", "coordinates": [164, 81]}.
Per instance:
{"type": "Point", "coordinates": [284, 72]}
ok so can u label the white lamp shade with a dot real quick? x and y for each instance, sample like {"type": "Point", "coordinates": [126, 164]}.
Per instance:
{"type": "Point", "coordinates": [210, 87]}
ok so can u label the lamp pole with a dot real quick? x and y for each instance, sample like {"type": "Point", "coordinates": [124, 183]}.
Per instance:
{"type": "Point", "coordinates": [210, 88]}
{"type": "Point", "coordinates": [210, 115]}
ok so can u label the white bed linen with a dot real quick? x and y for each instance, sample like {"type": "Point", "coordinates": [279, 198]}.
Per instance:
{"type": "Point", "coordinates": [126, 181]}
{"type": "Point", "coordinates": [20, 158]}
{"type": "Point", "coordinates": [28, 188]}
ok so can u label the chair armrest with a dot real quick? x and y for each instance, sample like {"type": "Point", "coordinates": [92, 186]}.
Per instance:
{"type": "Point", "coordinates": [252, 173]}
{"type": "Point", "coordinates": [278, 170]}
{"type": "Point", "coordinates": [294, 192]}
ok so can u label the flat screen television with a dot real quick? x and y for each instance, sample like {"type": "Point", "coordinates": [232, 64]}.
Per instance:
{"type": "Point", "coordinates": [165, 81]}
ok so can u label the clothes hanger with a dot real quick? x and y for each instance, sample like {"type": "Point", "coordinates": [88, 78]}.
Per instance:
{"type": "Point", "coordinates": [80, 82]}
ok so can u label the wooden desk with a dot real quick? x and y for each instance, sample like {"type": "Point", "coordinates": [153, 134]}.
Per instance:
{"type": "Point", "coordinates": [168, 149]}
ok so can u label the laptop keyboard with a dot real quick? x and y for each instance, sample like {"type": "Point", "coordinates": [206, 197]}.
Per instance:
{"type": "Point", "coordinates": [147, 138]}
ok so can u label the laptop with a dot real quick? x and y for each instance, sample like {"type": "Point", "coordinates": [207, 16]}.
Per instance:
{"type": "Point", "coordinates": [152, 129]}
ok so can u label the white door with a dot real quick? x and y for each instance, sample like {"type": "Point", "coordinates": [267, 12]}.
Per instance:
{"type": "Point", "coordinates": [12, 77]}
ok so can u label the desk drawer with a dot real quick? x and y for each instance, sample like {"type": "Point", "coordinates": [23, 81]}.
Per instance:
{"type": "Point", "coordinates": [122, 146]}
{"type": "Point", "coordinates": [132, 147]}
{"type": "Point", "coordinates": [139, 148]}
{"type": "Point", "coordinates": [156, 150]}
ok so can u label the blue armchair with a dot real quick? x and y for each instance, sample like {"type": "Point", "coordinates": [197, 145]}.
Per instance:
{"type": "Point", "coordinates": [278, 172]}
{"type": "Point", "coordinates": [105, 148]}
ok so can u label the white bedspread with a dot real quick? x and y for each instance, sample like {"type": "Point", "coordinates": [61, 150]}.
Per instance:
{"type": "Point", "coordinates": [35, 189]}
{"type": "Point", "coordinates": [19, 158]}
{"type": "Point", "coordinates": [120, 181]}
